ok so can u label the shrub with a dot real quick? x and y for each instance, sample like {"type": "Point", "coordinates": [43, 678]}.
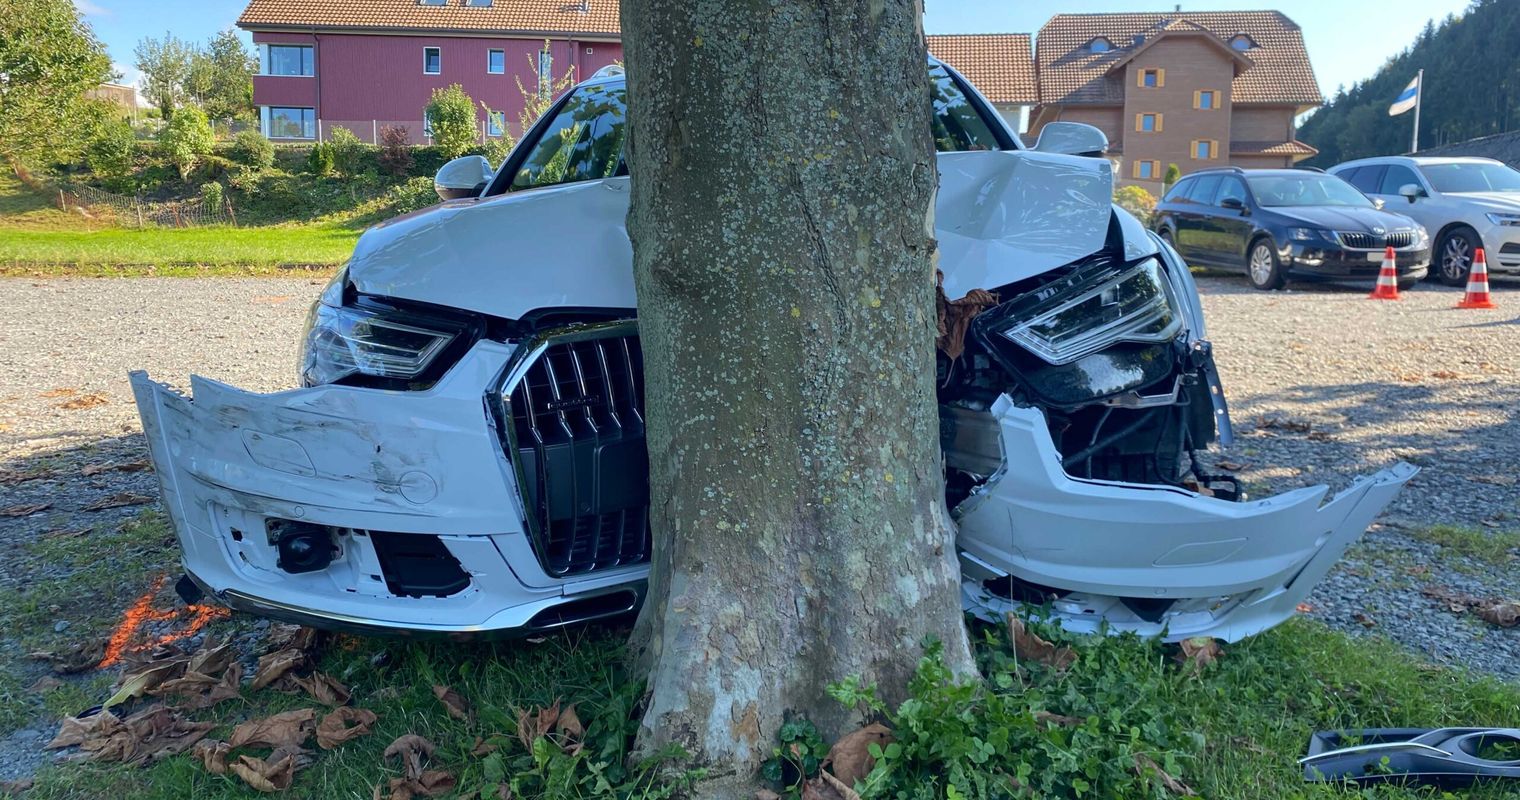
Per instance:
{"type": "Point", "coordinates": [451, 113]}
{"type": "Point", "coordinates": [112, 152]}
{"type": "Point", "coordinates": [1173, 172]}
{"type": "Point", "coordinates": [496, 149]}
{"type": "Point", "coordinates": [212, 195]}
{"type": "Point", "coordinates": [1136, 200]}
{"type": "Point", "coordinates": [321, 160]}
{"type": "Point", "coordinates": [347, 151]}
{"type": "Point", "coordinates": [186, 139]}
{"type": "Point", "coordinates": [395, 149]}
{"type": "Point", "coordinates": [251, 149]}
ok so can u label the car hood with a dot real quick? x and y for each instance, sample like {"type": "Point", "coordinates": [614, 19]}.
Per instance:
{"type": "Point", "coordinates": [1344, 218]}
{"type": "Point", "coordinates": [1000, 217]}
{"type": "Point", "coordinates": [1506, 202]}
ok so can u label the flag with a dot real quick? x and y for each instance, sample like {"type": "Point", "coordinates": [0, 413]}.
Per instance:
{"type": "Point", "coordinates": [1407, 99]}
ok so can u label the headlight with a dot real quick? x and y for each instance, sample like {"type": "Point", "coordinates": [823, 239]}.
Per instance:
{"type": "Point", "coordinates": [354, 340]}
{"type": "Point", "coordinates": [1092, 308]}
{"type": "Point", "coordinates": [1307, 234]}
{"type": "Point", "coordinates": [1504, 219]}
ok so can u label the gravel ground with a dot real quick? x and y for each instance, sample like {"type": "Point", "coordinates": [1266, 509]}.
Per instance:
{"type": "Point", "coordinates": [1376, 383]}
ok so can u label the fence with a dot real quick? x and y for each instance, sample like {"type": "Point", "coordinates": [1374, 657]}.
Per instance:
{"type": "Point", "coordinates": [132, 212]}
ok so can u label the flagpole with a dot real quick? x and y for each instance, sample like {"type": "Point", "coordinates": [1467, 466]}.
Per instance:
{"type": "Point", "coordinates": [1419, 95]}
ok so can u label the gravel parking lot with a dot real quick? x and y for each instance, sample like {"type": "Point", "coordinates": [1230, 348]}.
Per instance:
{"type": "Point", "coordinates": [1324, 385]}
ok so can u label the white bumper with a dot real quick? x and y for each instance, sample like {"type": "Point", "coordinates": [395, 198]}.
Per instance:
{"type": "Point", "coordinates": [359, 460]}
{"type": "Point", "coordinates": [1502, 246]}
{"type": "Point", "coordinates": [1192, 565]}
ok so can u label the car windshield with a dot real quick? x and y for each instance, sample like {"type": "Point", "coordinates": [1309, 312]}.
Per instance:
{"type": "Point", "coordinates": [1459, 178]}
{"type": "Point", "coordinates": [1309, 189]}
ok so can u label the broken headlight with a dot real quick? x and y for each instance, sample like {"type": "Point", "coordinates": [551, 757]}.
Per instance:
{"type": "Point", "coordinates": [1093, 307]}
{"type": "Point", "coordinates": [371, 340]}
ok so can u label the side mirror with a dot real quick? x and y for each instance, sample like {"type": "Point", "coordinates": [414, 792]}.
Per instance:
{"type": "Point", "coordinates": [1072, 138]}
{"type": "Point", "coordinates": [465, 176]}
{"type": "Point", "coordinates": [1413, 191]}
{"type": "Point", "coordinates": [1234, 203]}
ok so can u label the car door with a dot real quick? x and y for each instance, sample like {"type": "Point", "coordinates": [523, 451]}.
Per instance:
{"type": "Point", "coordinates": [1421, 210]}
{"type": "Point", "coordinates": [1230, 228]}
{"type": "Point", "coordinates": [1193, 228]}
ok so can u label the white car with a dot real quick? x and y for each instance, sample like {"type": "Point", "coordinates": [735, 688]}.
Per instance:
{"type": "Point", "coordinates": [1465, 204]}
{"type": "Point", "coordinates": [466, 454]}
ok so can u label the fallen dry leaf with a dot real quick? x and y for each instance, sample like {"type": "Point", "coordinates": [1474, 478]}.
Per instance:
{"type": "Point", "coordinates": [1505, 614]}
{"type": "Point", "coordinates": [1233, 466]}
{"type": "Point", "coordinates": [137, 684]}
{"type": "Point", "coordinates": [52, 393]}
{"type": "Point", "coordinates": [343, 725]}
{"type": "Point", "coordinates": [850, 758]}
{"type": "Point", "coordinates": [118, 500]}
{"type": "Point", "coordinates": [827, 787]}
{"type": "Point", "coordinates": [569, 724]}
{"type": "Point", "coordinates": [1199, 652]}
{"type": "Point", "coordinates": [1284, 424]}
{"type": "Point", "coordinates": [84, 401]}
{"type": "Point", "coordinates": [411, 750]}
{"type": "Point", "coordinates": [149, 735]}
{"type": "Point", "coordinates": [483, 748]}
{"type": "Point", "coordinates": [457, 706]}
{"type": "Point", "coordinates": [80, 657]}
{"type": "Point", "coordinates": [272, 774]}
{"type": "Point", "coordinates": [44, 684]}
{"type": "Point", "coordinates": [274, 666]}
{"type": "Point", "coordinates": [200, 690]}
{"type": "Point", "coordinates": [533, 724]}
{"type": "Point", "coordinates": [213, 755]}
{"type": "Point", "coordinates": [1030, 647]}
{"type": "Point", "coordinates": [1494, 480]}
{"type": "Point", "coordinates": [1144, 763]}
{"type": "Point", "coordinates": [1445, 375]}
{"type": "Point", "coordinates": [24, 510]}
{"type": "Point", "coordinates": [288, 729]}
{"type": "Point", "coordinates": [767, 794]}
{"type": "Point", "coordinates": [16, 788]}
{"type": "Point", "coordinates": [1364, 619]}
{"type": "Point", "coordinates": [91, 470]}
{"type": "Point", "coordinates": [1049, 719]}
{"type": "Point", "coordinates": [322, 688]}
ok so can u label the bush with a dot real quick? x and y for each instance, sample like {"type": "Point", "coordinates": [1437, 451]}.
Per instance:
{"type": "Point", "coordinates": [321, 160]}
{"type": "Point", "coordinates": [212, 194]}
{"type": "Point", "coordinates": [186, 139]}
{"type": "Point", "coordinates": [1173, 172]}
{"type": "Point", "coordinates": [451, 113]}
{"type": "Point", "coordinates": [1136, 200]}
{"type": "Point", "coordinates": [112, 153]}
{"type": "Point", "coordinates": [251, 149]}
{"type": "Point", "coordinates": [496, 150]}
{"type": "Point", "coordinates": [347, 151]}
{"type": "Point", "coordinates": [395, 149]}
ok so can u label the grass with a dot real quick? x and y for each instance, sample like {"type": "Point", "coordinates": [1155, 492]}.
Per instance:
{"type": "Point", "coordinates": [38, 239]}
{"type": "Point", "coordinates": [1499, 548]}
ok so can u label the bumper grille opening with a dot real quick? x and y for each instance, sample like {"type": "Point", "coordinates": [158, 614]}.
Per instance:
{"type": "Point", "coordinates": [418, 565]}
{"type": "Point", "coordinates": [1357, 240]}
{"type": "Point", "coordinates": [586, 609]}
{"type": "Point", "coordinates": [575, 420]}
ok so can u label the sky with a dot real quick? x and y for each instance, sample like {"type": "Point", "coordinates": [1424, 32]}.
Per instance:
{"type": "Point", "coordinates": [1336, 31]}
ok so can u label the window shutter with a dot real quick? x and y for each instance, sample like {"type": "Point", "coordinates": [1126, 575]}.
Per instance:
{"type": "Point", "coordinates": [1160, 78]}
{"type": "Point", "coordinates": [1197, 100]}
{"type": "Point", "coordinates": [1139, 122]}
{"type": "Point", "coordinates": [1136, 170]}
{"type": "Point", "coordinates": [1158, 122]}
{"type": "Point", "coordinates": [1140, 78]}
{"type": "Point", "coordinates": [1214, 149]}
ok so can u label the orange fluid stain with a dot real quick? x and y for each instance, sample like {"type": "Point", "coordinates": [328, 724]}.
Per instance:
{"type": "Point", "coordinates": [124, 639]}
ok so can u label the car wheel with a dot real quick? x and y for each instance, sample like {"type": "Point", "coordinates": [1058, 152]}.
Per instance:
{"type": "Point", "coordinates": [1454, 256]}
{"type": "Point", "coordinates": [1263, 267]}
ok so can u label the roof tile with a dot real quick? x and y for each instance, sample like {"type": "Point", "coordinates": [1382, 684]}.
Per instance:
{"type": "Point", "coordinates": [1069, 74]}
{"type": "Point", "coordinates": [592, 17]}
{"type": "Point", "coordinates": [1001, 65]}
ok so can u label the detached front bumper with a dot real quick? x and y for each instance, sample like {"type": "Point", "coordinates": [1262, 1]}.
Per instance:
{"type": "Point", "coordinates": [409, 485]}
{"type": "Point", "coordinates": [1332, 262]}
{"type": "Point", "coordinates": [1155, 560]}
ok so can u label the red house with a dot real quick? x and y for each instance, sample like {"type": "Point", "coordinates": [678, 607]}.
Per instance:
{"type": "Point", "coordinates": [368, 64]}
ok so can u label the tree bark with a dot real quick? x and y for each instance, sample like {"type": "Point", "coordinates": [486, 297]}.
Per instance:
{"type": "Point", "coordinates": [782, 193]}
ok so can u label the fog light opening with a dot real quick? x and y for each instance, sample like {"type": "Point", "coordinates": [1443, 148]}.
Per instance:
{"type": "Point", "coordinates": [302, 546]}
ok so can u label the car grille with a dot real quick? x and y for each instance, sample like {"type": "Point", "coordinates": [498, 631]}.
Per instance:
{"type": "Point", "coordinates": [574, 414]}
{"type": "Point", "coordinates": [1357, 240]}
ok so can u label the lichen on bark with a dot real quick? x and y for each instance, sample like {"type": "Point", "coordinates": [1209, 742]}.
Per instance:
{"type": "Point", "coordinates": [782, 184]}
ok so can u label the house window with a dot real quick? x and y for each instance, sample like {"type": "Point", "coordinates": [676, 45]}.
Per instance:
{"type": "Point", "coordinates": [1242, 42]}
{"type": "Point", "coordinates": [427, 124]}
{"type": "Point", "coordinates": [432, 2]}
{"type": "Point", "coordinates": [1205, 149]}
{"type": "Point", "coordinates": [545, 73]}
{"type": "Point", "coordinates": [495, 122]}
{"type": "Point", "coordinates": [1100, 45]}
{"type": "Point", "coordinates": [1152, 78]}
{"type": "Point", "coordinates": [1206, 100]}
{"type": "Point", "coordinates": [289, 123]}
{"type": "Point", "coordinates": [286, 59]}
{"type": "Point", "coordinates": [1148, 170]}
{"type": "Point", "coordinates": [496, 61]}
{"type": "Point", "coordinates": [432, 60]}
{"type": "Point", "coordinates": [478, 3]}
{"type": "Point", "coordinates": [1148, 123]}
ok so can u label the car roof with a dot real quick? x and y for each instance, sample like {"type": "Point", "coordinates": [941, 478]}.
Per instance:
{"type": "Point", "coordinates": [1248, 173]}
{"type": "Point", "coordinates": [1414, 161]}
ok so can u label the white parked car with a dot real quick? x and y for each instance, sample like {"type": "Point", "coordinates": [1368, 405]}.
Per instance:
{"type": "Point", "coordinates": [466, 453]}
{"type": "Point", "coordinates": [1465, 204]}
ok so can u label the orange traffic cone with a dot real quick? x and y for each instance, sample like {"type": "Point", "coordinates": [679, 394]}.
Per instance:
{"type": "Point", "coordinates": [1477, 284]}
{"type": "Point", "coordinates": [1388, 279]}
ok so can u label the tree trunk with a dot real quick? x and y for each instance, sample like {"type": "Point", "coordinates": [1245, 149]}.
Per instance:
{"type": "Point", "coordinates": [783, 183]}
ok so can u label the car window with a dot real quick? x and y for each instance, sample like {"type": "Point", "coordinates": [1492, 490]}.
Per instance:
{"type": "Point", "coordinates": [957, 125]}
{"type": "Point", "coordinates": [1179, 192]}
{"type": "Point", "coordinates": [1231, 188]}
{"type": "Point", "coordinates": [1203, 191]}
{"type": "Point", "coordinates": [583, 142]}
{"type": "Point", "coordinates": [1307, 189]}
{"type": "Point", "coordinates": [1397, 176]}
{"type": "Point", "coordinates": [1471, 177]}
{"type": "Point", "coordinates": [1368, 179]}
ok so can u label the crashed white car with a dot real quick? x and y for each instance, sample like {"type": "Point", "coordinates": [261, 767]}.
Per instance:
{"type": "Point", "coordinates": [467, 454]}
